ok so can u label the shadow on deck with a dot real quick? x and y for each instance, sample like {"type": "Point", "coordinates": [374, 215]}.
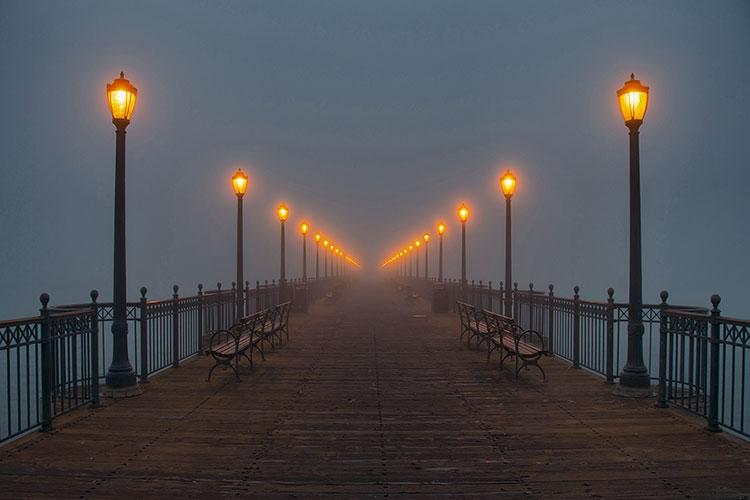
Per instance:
{"type": "Point", "coordinates": [369, 400]}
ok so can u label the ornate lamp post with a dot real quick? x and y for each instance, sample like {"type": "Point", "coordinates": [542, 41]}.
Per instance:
{"type": "Point", "coordinates": [317, 256]}
{"type": "Point", "coordinates": [121, 96]}
{"type": "Point", "coordinates": [633, 99]}
{"type": "Point", "coordinates": [283, 213]}
{"type": "Point", "coordinates": [463, 216]}
{"type": "Point", "coordinates": [441, 231]}
{"type": "Point", "coordinates": [239, 184]}
{"type": "Point", "coordinates": [411, 247]}
{"type": "Point", "coordinates": [416, 258]}
{"type": "Point", "coordinates": [325, 258]}
{"type": "Point", "coordinates": [304, 228]}
{"type": "Point", "coordinates": [426, 238]}
{"type": "Point", "coordinates": [508, 187]}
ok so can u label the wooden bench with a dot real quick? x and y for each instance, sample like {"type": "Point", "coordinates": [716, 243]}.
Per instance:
{"type": "Point", "coordinates": [249, 334]}
{"type": "Point", "coordinates": [472, 323]}
{"type": "Point", "coordinates": [526, 346]}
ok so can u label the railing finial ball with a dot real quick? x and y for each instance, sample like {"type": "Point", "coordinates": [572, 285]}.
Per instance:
{"type": "Point", "coordinates": [175, 288]}
{"type": "Point", "coordinates": [531, 286]}
{"type": "Point", "coordinates": [610, 292]}
{"type": "Point", "coordinates": [715, 300]}
{"type": "Point", "coordinates": [664, 295]}
{"type": "Point", "coordinates": [576, 289]}
{"type": "Point", "coordinates": [200, 287]}
{"type": "Point", "coordinates": [44, 299]}
{"type": "Point", "coordinates": [94, 295]}
{"type": "Point", "coordinates": [551, 287]}
{"type": "Point", "coordinates": [218, 285]}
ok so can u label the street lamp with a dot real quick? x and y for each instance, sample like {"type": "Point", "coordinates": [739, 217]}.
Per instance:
{"type": "Point", "coordinates": [283, 213]}
{"type": "Point", "coordinates": [426, 238]}
{"type": "Point", "coordinates": [325, 257]}
{"type": "Point", "coordinates": [239, 184]}
{"type": "Point", "coordinates": [411, 247]}
{"type": "Point", "coordinates": [121, 96]}
{"type": "Point", "coordinates": [633, 99]}
{"type": "Point", "coordinates": [416, 258]}
{"type": "Point", "coordinates": [304, 228]}
{"type": "Point", "coordinates": [508, 187]}
{"type": "Point", "coordinates": [463, 216]}
{"type": "Point", "coordinates": [441, 230]}
{"type": "Point", "coordinates": [317, 256]}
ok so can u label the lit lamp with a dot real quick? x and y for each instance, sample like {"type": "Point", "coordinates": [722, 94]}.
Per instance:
{"type": "Point", "coordinates": [283, 213]}
{"type": "Point", "coordinates": [304, 228]}
{"type": "Point", "coordinates": [633, 100]}
{"type": "Point", "coordinates": [416, 258]}
{"type": "Point", "coordinates": [441, 230]}
{"type": "Point", "coordinates": [463, 216]}
{"type": "Point", "coordinates": [411, 247]}
{"type": "Point", "coordinates": [121, 97]}
{"type": "Point", "coordinates": [317, 256]}
{"type": "Point", "coordinates": [325, 257]}
{"type": "Point", "coordinates": [239, 184]}
{"type": "Point", "coordinates": [426, 238]}
{"type": "Point", "coordinates": [508, 187]}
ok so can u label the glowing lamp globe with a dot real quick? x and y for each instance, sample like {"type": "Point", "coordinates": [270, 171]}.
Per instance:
{"type": "Point", "coordinates": [283, 212]}
{"type": "Point", "coordinates": [304, 228]}
{"type": "Point", "coordinates": [317, 236]}
{"type": "Point", "coordinates": [121, 99]}
{"type": "Point", "coordinates": [463, 213]}
{"type": "Point", "coordinates": [508, 183]}
{"type": "Point", "coordinates": [239, 182]}
{"type": "Point", "coordinates": [633, 99]}
{"type": "Point", "coordinates": [441, 228]}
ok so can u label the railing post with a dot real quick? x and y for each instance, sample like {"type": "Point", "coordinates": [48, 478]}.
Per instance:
{"type": "Point", "coordinates": [200, 318]}
{"type": "Point", "coordinates": [143, 306]}
{"type": "Point", "coordinates": [235, 313]}
{"type": "Point", "coordinates": [94, 349]}
{"type": "Point", "coordinates": [551, 320]}
{"type": "Point", "coordinates": [502, 299]}
{"type": "Point", "coordinates": [531, 306]}
{"type": "Point", "coordinates": [576, 327]}
{"type": "Point", "coordinates": [661, 397]}
{"type": "Point", "coordinates": [47, 363]}
{"type": "Point", "coordinates": [175, 328]}
{"type": "Point", "coordinates": [257, 296]}
{"type": "Point", "coordinates": [489, 295]}
{"type": "Point", "coordinates": [219, 307]}
{"type": "Point", "coordinates": [247, 298]}
{"type": "Point", "coordinates": [713, 394]}
{"type": "Point", "coordinates": [514, 298]}
{"type": "Point", "coordinates": [610, 347]}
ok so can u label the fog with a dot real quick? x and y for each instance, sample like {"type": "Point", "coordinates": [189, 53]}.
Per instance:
{"type": "Point", "coordinates": [373, 120]}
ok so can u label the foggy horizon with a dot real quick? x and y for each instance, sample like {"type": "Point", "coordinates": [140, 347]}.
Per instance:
{"type": "Point", "coordinates": [372, 122]}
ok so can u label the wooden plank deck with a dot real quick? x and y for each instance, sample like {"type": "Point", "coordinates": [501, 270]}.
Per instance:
{"type": "Point", "coordinates": [369, 401]}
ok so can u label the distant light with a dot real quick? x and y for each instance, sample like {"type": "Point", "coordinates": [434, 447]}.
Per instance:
{"type": "Point", "coordinates": [441, 228]}
{"type": "Point", "coordinates": [283, 212]}
{"type": "Point", "coordinates": [463, 213]}
{"type": "Point", "coordinates": [508, 183]}
{"type": "Point", "coordinates": [303, 228]}
{"type": "Point", "coordinates": [426, 237]}
{"type": "Point", "coordinates": [317, 236]}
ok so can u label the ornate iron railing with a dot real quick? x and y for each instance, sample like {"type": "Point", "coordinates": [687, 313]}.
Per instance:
{"type": "Point", "coordinates": [55, 362]}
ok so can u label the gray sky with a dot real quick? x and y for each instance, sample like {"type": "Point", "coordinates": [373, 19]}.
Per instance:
{"type": "Point", "coordinates": [374, 120]}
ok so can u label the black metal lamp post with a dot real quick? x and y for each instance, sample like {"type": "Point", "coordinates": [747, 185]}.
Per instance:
{"type": "Point", "coordinates": [304, 228]}
{"type": "Point", "coordinates": [463, 216]}
{"type": "Point", "coordinates": [121, 96]}
{"type": "Point", "coordinates": [325, 258]}
{"type": "Point", "coordinates": [411, 247]}
{"type": "Point", "coordinates": [239, 183]}
{"type": "Point", "coordinates": [633, 99]}
{"type": "Point", "coordinates": [283, 213]}
{"type": "Point", "coordinates": [426, 238]}
{"type": "Point", "coordinates": [317, 256]}
{"type": "Point", "coordinates": [441, 231]}
{"type": "Point", "coordinates": [508, 187]}
{"type": "Point", "coordinates": [416, 259]}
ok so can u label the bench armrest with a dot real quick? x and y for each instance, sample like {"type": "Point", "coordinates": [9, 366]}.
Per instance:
{"type": "Point", "coordinates": [221, 336]}
{"type": "Point", "coordinates": [532, 337]}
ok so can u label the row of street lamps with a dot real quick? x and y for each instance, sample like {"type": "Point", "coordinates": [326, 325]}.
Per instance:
{"type": "Point", "coordinates": [633, 101]}
{"type": "Point", "coordinates": [121, 99]}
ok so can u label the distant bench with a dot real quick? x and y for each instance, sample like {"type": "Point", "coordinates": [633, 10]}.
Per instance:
{"type": "Point", "coordinates": [250, 333]}
{"type": "Point", "coordinates": [501, 333]}
{"type": "Point", "coordinates": [410, 294]}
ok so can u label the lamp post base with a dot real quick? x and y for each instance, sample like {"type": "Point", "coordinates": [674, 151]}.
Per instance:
{"type": "Point", "coordinates": [122, 392]}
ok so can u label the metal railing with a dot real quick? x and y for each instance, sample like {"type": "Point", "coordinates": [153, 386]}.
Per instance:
{"type": "Point", "coordinates": [698, 358]}
{"type": "Point", "coordinates": [55, 362]}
